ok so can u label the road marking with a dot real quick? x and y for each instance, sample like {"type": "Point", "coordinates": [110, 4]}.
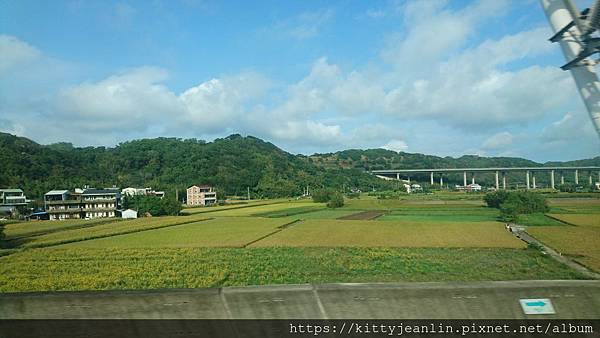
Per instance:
{"type": "Point", "coordinates": [542, 306]}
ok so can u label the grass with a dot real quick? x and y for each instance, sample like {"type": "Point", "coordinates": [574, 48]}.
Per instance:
{"type": "Point", "coordinates": [116, 227]}
{"type": "Point", "coordinates": [53, 269]}
{"type": "Point", "coordinates": [341, 233]}
{"type": "Point", "coordinates": [221, 232]}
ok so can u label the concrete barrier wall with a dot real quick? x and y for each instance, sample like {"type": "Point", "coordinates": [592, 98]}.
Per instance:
{"type": "Point", "coordinates": [480, 300]}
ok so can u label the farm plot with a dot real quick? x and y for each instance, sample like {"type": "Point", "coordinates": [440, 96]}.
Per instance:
{"type": "Point", "coordinates": [578, 219]}
{"type": "Point", "coordinates": [291, 211]}
{"type": "Point", "coordinates": [262, 209]}
{"type": "Point", "coordinates": [53, 269]}
{"type": "Point", "coordinates": [32, 228]}
{"type": "Point", "coordinates": [220, 232]}
{"type": "Point", "coordinates": [363, 215]}
{"type": "Point", "coordinates": [340, 233]}
{"type": "Point", "coordinates": [237, 205]}
{"type": "Point", "coordinates": [580, 242]}
{"type": "Point", "coordinates": [442, 214]}
{"type": "Point", "coordinates": [326, 214]}
{"type": "Point", "coordinates": [116, 227]}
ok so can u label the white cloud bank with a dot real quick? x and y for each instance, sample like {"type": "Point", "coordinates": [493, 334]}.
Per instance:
{"type": "Point", "coordinates": [432, 78]}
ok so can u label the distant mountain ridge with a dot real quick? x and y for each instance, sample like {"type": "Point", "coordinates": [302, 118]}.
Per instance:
{"type": "Point", "coordinates": [232, 164]}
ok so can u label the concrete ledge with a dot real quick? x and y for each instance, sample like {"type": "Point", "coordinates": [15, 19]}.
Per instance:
{"type": "Point", "coordinates": [468, 300]}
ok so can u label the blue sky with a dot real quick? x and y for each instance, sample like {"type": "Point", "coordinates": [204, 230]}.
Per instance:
{"type": "Point", "coordinates": [438, 77]}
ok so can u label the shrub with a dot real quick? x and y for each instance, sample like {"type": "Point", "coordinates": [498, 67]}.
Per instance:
{"type": "Point", "coordinates": [336, 200]}
{"type": "Point", "coordinates": [495, 199]}
{"type": "Point", "coordinates": [321, 196]}
{"type": "Point", "coordinates": [509, 212]}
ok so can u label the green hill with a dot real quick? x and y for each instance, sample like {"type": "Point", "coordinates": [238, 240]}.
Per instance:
{"type": "Point", "coordinates": [232, 164]}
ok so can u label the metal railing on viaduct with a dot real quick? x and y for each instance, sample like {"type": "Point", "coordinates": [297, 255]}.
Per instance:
{"type": "Point", "coordinates": [500, 174]}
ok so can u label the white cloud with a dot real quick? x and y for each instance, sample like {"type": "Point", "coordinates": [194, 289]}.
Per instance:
{"type": "Point", "coordinates": [436, 85]}
{"type": "Point", "coordinates": [498, 141]}
{"type": "Point", "coordinates": [15, 53]}
{"type": "Point", "coordinates": [395, 145]}
{"type": "Point", "coordinates": [133, 99]}
{"type": "Point", "coordinates": [433, 32]}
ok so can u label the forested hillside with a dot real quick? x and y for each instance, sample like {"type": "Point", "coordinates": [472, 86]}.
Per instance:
{"type": "Point", "coordinates": [232, 164]}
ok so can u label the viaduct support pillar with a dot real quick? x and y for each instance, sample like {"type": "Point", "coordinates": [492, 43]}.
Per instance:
{"type": "Point", "coordinates": [527, 179]}
{"type": "Point", "coordinates": [533, 179]}
{"type": "Point", "coordinates": [465, 178]}
{"type": "Point", "coordinates": [504, 180]}
{"type": "Point", "coordinates": [591, 183]}
{"type": "Point", "coordinates": [431, 176]}
{"type": "Point", "coordinates": [398, 176]}
{"type": "Point", "coordinates": [562, 178]}
{"type": "Point", "coordinates": [552, 179]}
{"type": "Point", "coordinates": [576, 176]}
{"type": "Point", "coordinates": [473, 178]}
{"type": "Point", "coordinates": [497, 182]}
{"type": "Point", "coordinates": [441, 180]}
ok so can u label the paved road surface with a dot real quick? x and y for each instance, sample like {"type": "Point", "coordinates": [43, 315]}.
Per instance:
{"type": "Point", "coordinates": [475, 300]}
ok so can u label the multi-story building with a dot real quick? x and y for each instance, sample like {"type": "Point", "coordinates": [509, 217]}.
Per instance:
{"type": "Point", "coordinates": [201, 195]}
{"type": "Point", "coordinates": [82, 203]}
{"type": "Point", "coordinates": [12, 202]}
{"type": "Point", "coordinates": [12, 197]}
{"type": "Point", "coordinates": [141, 192]}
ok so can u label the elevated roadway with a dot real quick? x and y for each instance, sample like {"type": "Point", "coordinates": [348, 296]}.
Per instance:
{"type": "Point", "coordinates": [499, 172]}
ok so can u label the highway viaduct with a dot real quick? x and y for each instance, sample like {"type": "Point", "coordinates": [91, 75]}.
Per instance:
{"type": "Point", "coordinates": [500, 174]}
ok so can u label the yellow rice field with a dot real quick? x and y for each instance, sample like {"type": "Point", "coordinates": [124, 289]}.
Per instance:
{"type": "Point", "coordinates": [346, 233]}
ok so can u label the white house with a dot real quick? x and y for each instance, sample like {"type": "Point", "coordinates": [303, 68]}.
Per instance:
{"type": "Point", "coordinates": [129, 213]}
{"type": "Point", "coordinates": [142, 192]}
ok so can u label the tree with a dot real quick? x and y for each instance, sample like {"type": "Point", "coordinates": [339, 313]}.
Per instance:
{"type": "Point", "coordinates": [321, 195]}
{"type": "Point", "coordinates": [509, 212]}
{"type": "Point", "coordinates": [336, 200]}
{"type": "Point", "coordinates": [496, 198]}
{"type": "Point", "coordinates": [170, 206]}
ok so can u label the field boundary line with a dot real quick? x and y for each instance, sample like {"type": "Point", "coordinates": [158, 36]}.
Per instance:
{"type": "Point", "coordinates": [279, 229]}
{"type": "Point", "coordinates": [562, 221]}
{"type": "Point", "coordinates": [45, 245]}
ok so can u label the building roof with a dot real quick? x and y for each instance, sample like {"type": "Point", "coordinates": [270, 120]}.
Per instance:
{"type": "Point", "coordinates": [39, 213]}
{"type": "Point", "coordinates": [56, 192]}
{"type": "Point", "coordinates": [93, 191]}
{"type": "Point", "coordinates": [11, 190]}
{"type": "Point", "coordinates": [200, 186]}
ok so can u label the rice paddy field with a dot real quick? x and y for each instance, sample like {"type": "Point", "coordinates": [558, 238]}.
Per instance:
{"type": "Point", "coordinates": [427, 238]}
{"type": "Point", "coordinates": [351, 233]}
{"type": "Point", "coordinates": [219, 232]}
{"type": "Point", "coordinates": [109, 269]}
